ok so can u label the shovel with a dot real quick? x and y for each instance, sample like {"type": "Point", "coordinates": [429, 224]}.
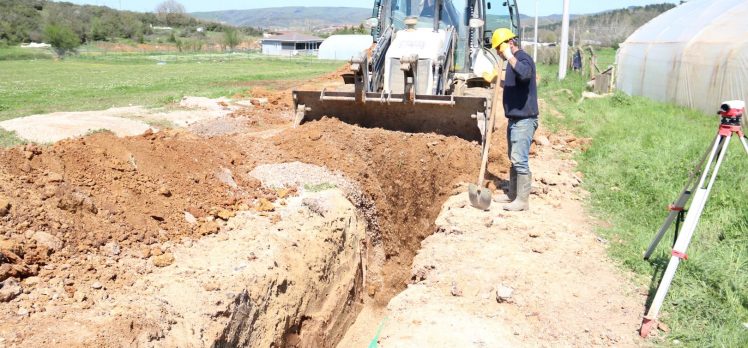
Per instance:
{"type": "Point", "coordinates": [480, 196]}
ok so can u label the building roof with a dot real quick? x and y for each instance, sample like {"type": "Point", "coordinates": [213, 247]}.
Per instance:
{"type": "Point", "coordinates": [294, 37]}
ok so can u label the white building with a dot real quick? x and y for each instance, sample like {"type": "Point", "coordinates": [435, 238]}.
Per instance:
{"type": "Point", "coordinates": [291, 44]}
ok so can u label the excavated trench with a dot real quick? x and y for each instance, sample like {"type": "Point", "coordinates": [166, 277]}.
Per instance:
{"type": "Point", "coordinates": [402, 179]}
{"type": "Point", "coordinates": [79, 198]}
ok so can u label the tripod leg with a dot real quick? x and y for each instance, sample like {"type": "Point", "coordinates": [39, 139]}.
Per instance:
{"type": "Point", "coordinates": [678, 221]}
{"type": "Point", "coordinates": [685, 195]}
{"type": "Point", "coordinates": [675, 211]}
{"type": "Point", "coordinates": [745, 143]}
{"type": "Point", "coordinates": [689, 226]}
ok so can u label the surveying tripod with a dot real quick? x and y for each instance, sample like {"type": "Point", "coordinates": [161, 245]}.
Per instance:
{"type": "Point", "coordinates": [731, 113]}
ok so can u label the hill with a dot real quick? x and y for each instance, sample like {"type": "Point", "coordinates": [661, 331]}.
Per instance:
{"type": "Point", "coordinates": [314, 18]}
{"type": "Point", "coordinates": [606, 28]}
{"type": "Point", "coordinates": [304, 18]}
{"type": "Point", "coordinates": [26, 21]}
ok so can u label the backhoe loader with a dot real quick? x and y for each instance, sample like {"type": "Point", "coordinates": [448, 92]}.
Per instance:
{"type": "Point", "coordinates": [424, 71]}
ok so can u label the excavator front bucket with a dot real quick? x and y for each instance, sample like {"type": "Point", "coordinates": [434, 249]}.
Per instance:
{"type": "Point", "coordinates": [464, 117]}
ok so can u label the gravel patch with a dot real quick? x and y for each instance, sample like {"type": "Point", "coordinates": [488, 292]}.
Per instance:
{"type": "Point", "coordinates": [311, 177]}
{"type": "Point", "coordinates": [216, 127]}
{"type": "Point", "coordinates": [300, 174]}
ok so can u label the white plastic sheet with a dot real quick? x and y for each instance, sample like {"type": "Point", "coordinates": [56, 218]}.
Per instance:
{"type": "Point", "coordinates": [343, 47]}
{"type": "Point", "coordinates": [694, 55]}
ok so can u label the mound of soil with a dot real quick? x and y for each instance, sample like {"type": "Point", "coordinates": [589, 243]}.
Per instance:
{"type": "Point", "coordinates": [86, 195]}
{"type": "Point", "coordinates": [79, 195]}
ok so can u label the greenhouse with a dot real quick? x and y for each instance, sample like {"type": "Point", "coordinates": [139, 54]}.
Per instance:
{"type": "Point", "coordinates": [343, 47]}
{"type": "Point", "coordinates": [695, 55]}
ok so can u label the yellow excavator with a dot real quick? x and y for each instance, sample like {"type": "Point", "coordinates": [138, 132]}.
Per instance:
{"type": "Point", "coordinates": [423, 73]}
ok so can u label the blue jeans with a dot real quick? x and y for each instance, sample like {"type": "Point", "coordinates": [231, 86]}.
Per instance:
{"type": "Point", "coordinates": [519, 133]}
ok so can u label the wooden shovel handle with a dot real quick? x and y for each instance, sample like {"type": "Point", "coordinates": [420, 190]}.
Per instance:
{"type": "Point", "coordinates": [489, 132]}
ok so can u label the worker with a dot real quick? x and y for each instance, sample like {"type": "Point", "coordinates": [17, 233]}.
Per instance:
{"type": "Point", "coordinates": [521, 109]}
{"type": "Point", "coordinates": [576, 61]}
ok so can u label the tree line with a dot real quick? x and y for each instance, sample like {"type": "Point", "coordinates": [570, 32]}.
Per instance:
{"type": "Point", "coordinates": [23, 21]}
{"type": "Point", "coordinates": [605, 29]}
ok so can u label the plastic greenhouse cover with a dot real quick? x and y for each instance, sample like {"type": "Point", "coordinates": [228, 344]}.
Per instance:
{"type": "Point", "coordinates": [343, 47]}
{"type": "Point", "coordinates": [694, 55]}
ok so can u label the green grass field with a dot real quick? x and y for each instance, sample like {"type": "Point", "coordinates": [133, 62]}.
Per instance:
{"type": "Point", "coordinates": [18, 53]}
{"type": "Point", "coordinates": [638, 162]}
{"type": "Point", "coordinates": [92, 81]}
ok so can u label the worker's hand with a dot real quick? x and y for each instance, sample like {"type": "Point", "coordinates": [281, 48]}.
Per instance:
{"type": "Point", "coordinates": [489, 76]}
{"type": "Point", "coordinates": [507, 53]}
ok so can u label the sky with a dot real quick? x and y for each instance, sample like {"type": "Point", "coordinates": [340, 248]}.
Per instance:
{"type": "Point", "coordinates": [527, 7]}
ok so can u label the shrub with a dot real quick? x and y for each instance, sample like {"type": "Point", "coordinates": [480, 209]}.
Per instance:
{"type": "Point", "coordinates": [62, 39]}
{"type": "Point", "coordinates": [231, 38]}
{"type": "Point", "coordinates": [548, 55]}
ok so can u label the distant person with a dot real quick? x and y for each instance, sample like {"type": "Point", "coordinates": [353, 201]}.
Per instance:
{"type": "Point", "coordinates": [521, 110]}
{"type": "Point", "coordinates": [576, 61]}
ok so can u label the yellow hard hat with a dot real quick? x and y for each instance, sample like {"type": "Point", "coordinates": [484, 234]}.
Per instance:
{"type": "Point", "coordinates": [500, 36]}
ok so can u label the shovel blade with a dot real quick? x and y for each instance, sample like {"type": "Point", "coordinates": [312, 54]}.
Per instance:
{"type": "Point", "coordinates": [480, 197]}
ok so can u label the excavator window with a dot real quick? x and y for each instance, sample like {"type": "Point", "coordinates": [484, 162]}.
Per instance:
{"type": "Point", "coordinates": [425, 10]}
{"type": "Point", "coordinates": [498, 17]}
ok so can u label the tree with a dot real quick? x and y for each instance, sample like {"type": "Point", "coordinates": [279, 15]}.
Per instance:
{"type": "Point", "coordinates": [171, 12]}
{"type": "Point", "coordinates": [62, 39]}
{"type": "Point", "coordinates": [231, 38]}
{"type": "Point", "coordinates": [547, 36]}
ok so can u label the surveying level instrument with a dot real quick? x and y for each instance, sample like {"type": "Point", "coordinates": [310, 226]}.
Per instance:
{"type": "Point", "coordinates": [731, 113]}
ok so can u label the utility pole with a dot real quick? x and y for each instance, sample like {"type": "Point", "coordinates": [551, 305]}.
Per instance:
{"type": "Point", "coordinates": [535, 48]}
{"type": "Point", "coordinates": [564, 59]}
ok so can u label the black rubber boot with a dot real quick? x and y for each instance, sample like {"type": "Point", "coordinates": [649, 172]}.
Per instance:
{"type": "Point", "coordinates": [522, 201]}
{"type": "Point", "coordinates": [511, 191]}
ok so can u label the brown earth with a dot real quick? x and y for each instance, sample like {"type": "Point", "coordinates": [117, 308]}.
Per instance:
{"type": "Point", "coordinates": [407, 176]}
{"type": "Point", "coordinates": [65, 206]}
{"type": "Point", "coordinates": [85, 195]}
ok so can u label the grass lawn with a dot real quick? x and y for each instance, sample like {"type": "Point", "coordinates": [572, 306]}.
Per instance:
{"type": "Point", "coordinates": [91, 82]}
{"type": "Point", "coordinates": [638, 162]}
{"type": "Point", "coordinates": [18, 53]}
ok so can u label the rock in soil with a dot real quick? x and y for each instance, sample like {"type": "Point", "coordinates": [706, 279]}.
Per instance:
{"type": "Point", "coordinates": [48, 240]}
{"type": "Point", "coordinates": [163, 260]}
{"type": "Point", "coordinates": [4, 206]}
{"type": "Point", "coordinates": [9, 289]}
{"type": "Point", "coordinates": [265, 206]}
{"type": "Point", "coordinates": [225, 214]}
{"type": "Point", "coordinates": [504, 294]}
{"type": "Point", "coordinates": [112, 249]}
{"type": "Point", "coordinates": [190, 219]}
{"type": "Point", "coordinates": [209, 227]}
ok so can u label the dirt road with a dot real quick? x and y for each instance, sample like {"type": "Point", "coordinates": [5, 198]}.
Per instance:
{"type": "Point", "coordinates": [500, 279]}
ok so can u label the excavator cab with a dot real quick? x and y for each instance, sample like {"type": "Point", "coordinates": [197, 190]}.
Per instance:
{"type": "Point", "coordinates": [424, 72]}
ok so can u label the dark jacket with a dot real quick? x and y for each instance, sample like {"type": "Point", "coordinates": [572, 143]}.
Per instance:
{"type": "Point", "coordinates": [520, 88]}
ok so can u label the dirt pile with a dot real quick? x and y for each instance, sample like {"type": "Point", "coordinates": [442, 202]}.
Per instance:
{"type": "Point", "coordinates": [81, 195]}
{"type": "Point", "coordinates": [66, 207]}
{"type": "Point", "coordinates": [78, 196]}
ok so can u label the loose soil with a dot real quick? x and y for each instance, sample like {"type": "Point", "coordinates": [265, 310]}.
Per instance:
{"type": "Point", "coordinates": [69, 204]}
